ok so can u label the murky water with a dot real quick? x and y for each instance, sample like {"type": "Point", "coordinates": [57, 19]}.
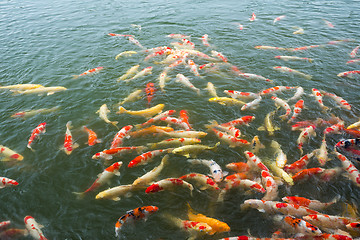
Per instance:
{"type": "Point", "coordinates": [47, 43]}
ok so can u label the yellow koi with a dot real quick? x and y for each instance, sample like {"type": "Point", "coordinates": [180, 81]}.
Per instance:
{"type": "Point", "coordinates": [148, 112]}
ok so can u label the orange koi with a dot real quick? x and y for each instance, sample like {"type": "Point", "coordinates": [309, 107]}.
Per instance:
{"type": "Point", "coordinates": [305, 174]}
{"type": "Point", "coordinates": [238, 166]}
{"type": "Point", "coordinates": [253, 17]}
{"type": "Point", "coordinates": [150, 90]}
{"type": "Point", "coordinates": [92, 137]}
{"type": "Point", "coordinates": [184, 117]}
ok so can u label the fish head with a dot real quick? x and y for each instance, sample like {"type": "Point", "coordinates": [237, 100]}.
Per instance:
{"type": "Point", "coordinates": [151, 209]}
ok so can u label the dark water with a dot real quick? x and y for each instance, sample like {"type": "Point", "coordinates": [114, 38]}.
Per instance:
{"type": "Point", "coordinates": [46, 43]}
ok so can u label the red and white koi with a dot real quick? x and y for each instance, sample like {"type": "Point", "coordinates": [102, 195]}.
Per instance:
{"type": "Point", "coordinates": [4, 225]}
{"type": "Point", "coordinates": [294, 209]}
{"type": "Point", "coordinates": [7, 182]}
{"type": "Point", "coordinates": [69, 146]}
{"type": "Point", "coordinates": [120, 135]}
{"type": "Point", "coordinates": [253, 104]}
{"type": "Point", "coordinates": [322, 153]}
{"type": "Point", "coordinates": [176, 35]}
{"type": "Point", "coordinates": [354, 226]}
{"type": "Point", "coordinates": [294, 58]}
{"type": "Point", "coordinates": [103, 178]}
{"type": "Point", "coordinates": [153, 54]}
{"type": "Point", "coordinates": [251, 76]}
{"type": "Point", "coordinates": [108, 154]}
{"type": "Point", "coordinates": [334, 129]}
{"type": "Point", "coordinates": [305, 47]}
{"type": "Point", "coordinates": [290, 70]}
{"type": "Point", "coordinates": [136, 42]}
{"type": "Point", "coordinates": [132, 215]}
{"type": "Point", "coordinates": [347, 143]}
{"type": "Point", "coordinates": [281, 103]}
{"type": "Point", "coordinates": [357, 61]}
{"type": "Point", "coordinates": [89, 72]}
{"type": "Point", "coordinates": [270, 186]}
{"type": "Point", "coordinates": [142, 73]}
{"type": "Point", "coordinates": [328, 23]}
{"type": "Point", "coordinates": [260, 205]}
{"type": "Point", "coordinates": [240, 121]}
{"type": "Point", "coordinates": [304, 136]}
{"type": "Point", "coordinates": [253, 17]}
{"type": "Point", "coordinates": [312, 204]}
{"type": "Point", "coordinates": [184, 80]}
{"type": "Point", "coordinates": [157, 118]}
{"type": "Point", "coordinates": [278, 18]}
{"type": "Point", "coordinates": [233, 131]}
{"type": "Point", "coordinates": [238, 166]}
{"type": "Point", "coordinates": [35, 133]}
{"type": "Point", "coordinates": [276, 89]}
{"type": "Point", "coordinates": [229, 139]}
{"type": "Point", "coordinates": [147, 157]}
{"type": "Point", "coordinates": [188, 44]}
{"type": "Point", "coordinates": [305, 174]}
{"type": "Point", "coordinates": [349, 74]}
{"type": "Point", "coordinates": [176, 121]}
{"type": "Point", "coordinates": [298, 107]}
{"type": "Point", "coordinates": [204, 182]}
{"type": "Point", "coordinates": [255, 162]}
{"type": "Point", "coordinates": [218, 55]}
{"type": "Point", "coordinates": [352, 172]}
{"type": "Point", "coordinates": [299, 164]}
{"type": "Point", "coordinates": [215, 169]}
{"type": "Point", "coordinates": [168, 184]}
{"type": "Point", "coordinates": [9, 154]}
{"type": "Point", "coordinates": [205, 39]}
{"type": "Point", "coordinates": [243, 183]}
{"type": "Point", "coordinates": [193, 67]}
{"type": "Point", "coordinates": [297, 226]}
{"type": "Point", "coordinates": [328, 221]}
{"type": "Point", "coordinates": [34, 228]}
{"type": "Point", "coordinates": [238, 94]}
{"type": "Point", "coordinates": [318, 97]}
{"type": "Point", "coordinates": [354, 52]}
{"type": "Point", "coordinates": [342, 103]}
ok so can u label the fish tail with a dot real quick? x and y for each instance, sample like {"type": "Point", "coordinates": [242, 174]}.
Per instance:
{"type": "Point", "coordinates": [215, 146]}
{"type": "Point", "coordinates": [79, 195]}
{"type": "Point", "coordinates": [213, 123]}
{"type": "Point", "coordinates": [75, 76]}
{"type": "Point", "coordinates": [121, 110]}
{"type": "Point", "coordinates": [68, 125]}
{"type": "Point", "coordinates": [30, 148]}
{"type": "Point", "coordinates": [308, 77]}
{"type": "Point", "coordinates": [115, 123]}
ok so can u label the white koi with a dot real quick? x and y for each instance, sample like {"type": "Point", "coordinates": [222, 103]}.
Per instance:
{"type": "Point", "coordinates": [103, 112]}
{"type": "Point", "coordinates": [132, 71]}
{"type": "Point", "coordinates": [289, 70]}
{"type": "Point", "coordinates": [282, 103]}
{"type": "Point", "coordinates": [184, 80]}
{"type": "Point", "coordinates": [142, 73]}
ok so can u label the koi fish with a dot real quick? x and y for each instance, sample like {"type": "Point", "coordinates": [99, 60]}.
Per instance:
{"type": "Point", "coordinates": [219, 55]}
{"type": "Point", "coordinates": [256, 145]}
{"type": "Point", "coordinates": [354, 52]}
{"type": "Point", "coordinates": [192, 150]}
{"type": "Point", "coordinates": [322, 154]}
{"type": "Point", "coordinates": [184, 117]}
{"type": "Point", "coordinates": [69, 146]}
{"type": "Point", "coordinates": [184, 80]}
{"type": "Point", "coordinates": [268, 125]}
{"type": "Point", "coordinates": [305, 47]}
{"type": "Point", "coordinates": [21, 87]}
{"type": "Point", "coordinates": [89, 72]}
{"type": "Point", "coordinates": [149, 112]}
{"type": "Point", "coordinates": [328, 221]}
{"type": "Point", "coordinates": [117, 192]}
{"type": "Point", "coordinates": [299, 105]}
{"type": "Point", "coordinates": [318, 97]}
{"type": "Point", "coordinates": [348, 143]}
{"type": "Point", "coordinates": [281, 103]}
{"type": "Point", "coordinates": [253, 17]}
{"type": "Point", "coordinates": [193, 68]}
{"type": "Point", "coordinates": [132, 97]}
{"type": "Point", "coordinates": [299, 30]}
{"type": "Point", "coordinates": [294, 58]}
{"type": "Point", "coordinates": [147, 157]}
{"type": "Point", "coordinates": [233, 131]}
{"type": "Point", "coordinates": [187, 44]}
{"type": "Point", "coordinates": [108, 154]}
{"type": "Point", "coordinates": [151, 130]}
{"type": "Point", "coordinates": [9, 154]}
{"type": "Point", "coordinates": [216, 225]}
{"type": "Point", "coordinates": [92, 137]}
{"type": "Point", "coordinates": [103, 178]}
{"type": "Point", "coordinates": [185, 134]}
{"type": "Point", "coordinates": [276, 89]}
{"type": "Point", "coordinates": [299, 164]}
{"type": "Point", "coordinates": [167, 184]}
{"type": "Point", "coordinates": [294, 209]}
{"type": "Point", "coordinates": [120, 135]}
{"type": "Point", "coordinates": [42, 90]}
{"type": "Point", "coordinates": [132, 215]}
{"type": "Point", "coordinates": [255, 162]}
{"type": "Point", "coordinates": [335, 129]}
{"type": "Point", "coordinates": [126, 53]}
{"type": "Point", "coordinates": [238, 94]}
{"type": "Point", "coordinates": [34, 228]}
{"type": "Point", "coordinates": [158, 53]}
{"type": "Point", "coordinates": [120, 35]}
{"type": "Point", "coordinates": [242, 183]}
{"type": "Point", "coordinates": [178, 122]}
{"type": "Point", "coordinates": [226, 101]}
{"type": "Point", "coordinates": [215, 169]}
{"type": "Point", "coordinates": [131, 71]}
{"type": "Point", "coordinates": [349, 74]}
{"type": "Point", "coordinates": [35, 133]}
{"type": "Point", "coordinates": [270, 186]}
{"type": "Point", "coordinates": [279, 172]}
{"type": "Point", "coordinates": [7, 182]}
{"type": "Point", "coordinates": [289, 70]}
{"type": "Point", "coordinates": [357, 61]}
{"type": "Point", "coordinates": [205, 39]}
{"type": "Point", "coordinates": [299, 92]}
{"type": "Point", "coordinates": [354, 226]}
{"type": "Point", "coordinates": [30, 113]}
{"type": "Point", "coordinates": [280, 156]}
{"type": "Point", "coordinates": [278, 18]}
{"type": "Point", "coordinates": [136, 42]}
{"type": "Point", "coordinates": [142, 73]}
{"type": "Point", "coordinates": [313, 204]}
{"type": "Point", "coordinates": [251, 76]}
{"type": "Point", "coordinates": [329, 24]}
{"type": "Point", "coordinates": [304, 136]}
{"type": "Point", "coordinates": [269, 48]}
{"type": "Point", "coordinates": [352, 172]}
{"type": "Point", "coordinates": [305, 174]}
{"type": "Point", "coordinates": [238, 166]}
{"type": "Point", "coordinates": [179, 36]}
{"type": "Point", "coordinates": [203, 181]}
{"type": "Point", "coordinates": [342, 103]}
{"type": "Point", "coordinates": [103, 111]}
{"type": "Point", "coordinates": [4, 225]}
{"type": "Point", "coordinates": [297, 226]}
{"type": "Point", "coordinates": [156, 118]}
{"type": "Point", "coordinates": [162, 79]}
{"type": "Point", "coordinates": [148, 177]}
{"type": "Point", "coordinates": [229, 139]}
{"type": "Point", "coordinates": [174, 142]}
{"type": "Point", "coordinates": [13, 233]}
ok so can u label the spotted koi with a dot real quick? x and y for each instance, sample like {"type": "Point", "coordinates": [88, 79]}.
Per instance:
{"type": "Point", "coordinates": [120, 135]}
{"type": "Point", "coordinates": [35, 133]}
{"type": "Point", "coordinates": [147, 157]}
